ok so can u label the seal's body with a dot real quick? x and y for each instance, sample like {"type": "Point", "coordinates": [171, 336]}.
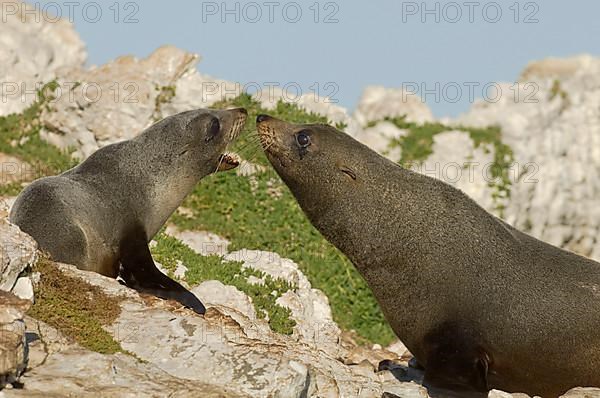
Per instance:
{"type": "Point", "coordinates": [100, 215]}
{"type": "Point", "coordinates": [480, 304]}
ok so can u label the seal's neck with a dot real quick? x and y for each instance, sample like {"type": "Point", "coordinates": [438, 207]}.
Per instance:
{"type": "Point", "coordinates": [167, 196]}
{"type": "Point", "coordinates": [371, 218]}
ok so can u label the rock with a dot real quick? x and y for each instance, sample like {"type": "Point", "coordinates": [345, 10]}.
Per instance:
{"type": "Point", "coordinates": [225, 349]}
{"type": "Point", "coordinates": [128, 92]}
{"type": "Point", "coordinates": [378, 102]}
{"type": "Point", "coordinates": [202, 242]}
{"type": "Point", "coordinates": [34, 49]}
{"type": "Point", "coordinates": [580, 392]}
{"type": "Point", "coordinates": [457, 161]}
{"type": "Point", "coordinates": [314, 322]}
{"type": "Point", "coordinates": [13, 345]}
{"type": "Point", "coordinates": [195, 90]}
{"type": "Point", "coordinates": [556, 68]}
{"type": "Point", "coordinates": [23, 288]}
{"type": "Point", "coordinates": [65, 369]}
{"type": "Point", "coordinates": [6, 203]}
{"type": "Point", "coordinates": [214, 293]}
{"type": "Point", "coordinates": [310, 102]}
{"type": "Point", "coordinates": [271, 264]}
{"type": "Point", "coordinates": [247, 169]}
{"type": "Point", "coordinates": [309, 307]}
{"type": "Point", "coordinates": [378, 138]}
{"type": "Point", "coordinates": [180, 270]}
{"type": "Point", "coordinates": [554, 203]}
{"type": "Point", "coordinates": [13, 170]}
{"type": "Point", "coordinates": [399, 349]}
{"type": "Point", "coordinates": [17, 252]}
{"type": "Point", "coordinates": [269, 98]}
{"type": "Point", "coordinates": [87, 374]}
{"type": "Point", "coordinates": [502, 394]}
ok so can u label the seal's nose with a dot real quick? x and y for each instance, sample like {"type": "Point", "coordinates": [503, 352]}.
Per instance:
{"type": "Point", "coordinates": [262, 118]}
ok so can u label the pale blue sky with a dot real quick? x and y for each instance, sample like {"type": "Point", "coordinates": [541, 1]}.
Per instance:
{"type": "Point", "coordinates": [373, 42]}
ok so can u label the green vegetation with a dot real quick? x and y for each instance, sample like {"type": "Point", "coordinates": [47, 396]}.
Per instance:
{"type": "Point", "coordinates": [256, 212]}
{"type": "Point", "coordinates": [75, 308]}
{"type": "Point", "coordinates": [242, 209]}
{"type": "Point", "coordinates": [557, 91]}
{"type": "Point", "coordinates": [11, 189]}
{"type": "Point", "coordinates": [165, 95]}
{"type": "Point", "coordinates": [20, 137]}
{"type": "Point", "coordinates": [417, 145]}
{"type": "Point", "coordinates": [203, 268]}
{"type": "Point", "coordinates": [245, 211]}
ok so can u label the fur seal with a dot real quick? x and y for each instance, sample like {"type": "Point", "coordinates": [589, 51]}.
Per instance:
{"type": "Point", "coordinates": [480, 304]}
{"type": "Point", "coordinates": [100, 215]}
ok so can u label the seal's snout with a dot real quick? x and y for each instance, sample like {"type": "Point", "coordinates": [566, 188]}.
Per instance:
{"type": "Point", "coordinates": [240, 116]}
{"type": "Point", "coordinates": [265, 130]}
{"type": "Point", "coordinates": [272, 133]}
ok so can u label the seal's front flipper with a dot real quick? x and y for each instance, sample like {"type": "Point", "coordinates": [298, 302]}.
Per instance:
{"type": "Point", "coordinates": [140, 273]}
{"type": "Point", "coordinates": [457, 370]}
{"type": "Point", "coordinates": [414, 364]}
{"type": "Point", "coordinates": [456, 361]}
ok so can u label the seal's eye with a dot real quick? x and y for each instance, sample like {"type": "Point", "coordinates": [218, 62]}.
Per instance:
{"type": "Point", "coordinates": [303, 139]}
{"type": "Point", "coordinates": [213, 129]}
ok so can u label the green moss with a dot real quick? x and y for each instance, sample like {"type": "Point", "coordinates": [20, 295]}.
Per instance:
{"type": "Point", "coordinates": [242, 210]}
{"type": "Point", "coordinates": [165, 95]}
{"type": "Point", "coordinates": [20, 137]}
{"type": "Point", "coordinates": [203, 268]}
{"type": "Point", "coordinates": [557, 91]}
{"type": "Point", "coordinates": [75, 308]}
{"type": "Point", "coordinates": [248, 144]}
{"type": "Point", "coordinates": [417, 145]}
{"type": "Point", "coordinates": [11, 189]}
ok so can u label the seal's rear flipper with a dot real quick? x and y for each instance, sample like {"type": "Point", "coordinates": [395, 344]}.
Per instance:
{"type": "Point", "coordinates": [140, 273]}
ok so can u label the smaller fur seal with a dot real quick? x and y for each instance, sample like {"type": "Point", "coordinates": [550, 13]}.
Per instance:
{"type": "Point", "coordinates": [480, 304]}
{"type": "Point", "coordinates": [101, 215]}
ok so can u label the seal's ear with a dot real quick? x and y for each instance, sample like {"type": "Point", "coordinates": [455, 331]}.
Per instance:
{"type": "Point", "coordinates": [348, 171]}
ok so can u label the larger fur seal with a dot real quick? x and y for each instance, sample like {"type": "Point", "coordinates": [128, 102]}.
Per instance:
{"type": "Point", "coordinates": [100, 215]}
{"type": "Point", "coordinates": [479, 304]}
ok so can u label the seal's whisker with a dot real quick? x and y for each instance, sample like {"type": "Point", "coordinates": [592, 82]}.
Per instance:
{"type": "Point", "coordinates": [222, 158]}
{"type": "Point", "coordinates": [250, 156]}
{"type": "Point", "coordinates": [249, 144]}
{"type": "Point", "coordinates": [219, 163]}
{"type": "Point", "coordinates": [251, 147]}
{"type": "Point", "coordinates": [269, 145]}
{"type": "Point", "coordinates": [250, 152]}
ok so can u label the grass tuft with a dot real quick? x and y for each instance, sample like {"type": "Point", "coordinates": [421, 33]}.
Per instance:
{"type": "Point", "coordinates": [242, 210]}
{"type": "Point", "coordinates": [75, 308]}
{"type": "Point", "coordinates": [20, 137]}
{"type": "Point", "coordinates": [204, 268]}
{"type": "Point", "coordinates": [417, 146]}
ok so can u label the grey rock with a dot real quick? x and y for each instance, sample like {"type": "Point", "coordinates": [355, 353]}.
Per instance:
{"type": "Point", "coordinates": [13, 345]}
{"type": "Point", "coordinates": [18, 251]}
{"type": "Point", "coordinates": [34, 49]}
{"type": "Point", "coordinates": [23, 288]}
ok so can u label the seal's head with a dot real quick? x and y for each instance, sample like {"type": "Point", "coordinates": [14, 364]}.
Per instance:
{"type": "Point", "coordinates": [332, 176]}
{"type": "Point", "coordinates": [196, 140]}
{"type": "Point", "coordinates": [314, 156]}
